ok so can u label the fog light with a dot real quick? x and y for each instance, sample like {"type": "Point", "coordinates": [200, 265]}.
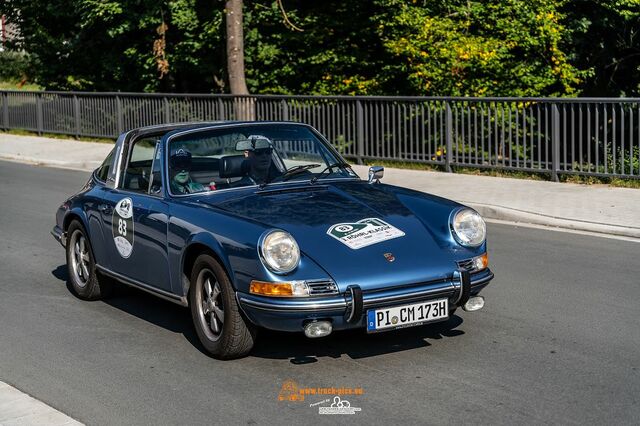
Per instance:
{"type": "Point", "coordinates": [318, 329]}
{"type": "Point", "coordinates": [474, 303]}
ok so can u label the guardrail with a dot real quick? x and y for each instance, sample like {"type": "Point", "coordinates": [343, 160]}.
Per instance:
{"type": "Point", "coordinates": [584, 136]}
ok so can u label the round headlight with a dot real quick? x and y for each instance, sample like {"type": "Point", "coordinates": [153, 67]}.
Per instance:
{"type": "Point", "coordinates": [469, 228]}
{"type": "Point", "coordinates": [279, 251]}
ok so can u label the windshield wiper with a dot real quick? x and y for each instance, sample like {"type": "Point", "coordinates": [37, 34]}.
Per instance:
{"type": "Point", "coordinates": [330, 167]}
{"type": "Point", "coordinates": [298, 169]}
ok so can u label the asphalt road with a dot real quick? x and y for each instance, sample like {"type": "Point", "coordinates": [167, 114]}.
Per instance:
{"type": "Point", "coordinates": [557, 342]}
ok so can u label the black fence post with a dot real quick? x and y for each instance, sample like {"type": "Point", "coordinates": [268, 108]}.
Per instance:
{"type": "Point", "coordinates": [360, 132]}
{"type": "Point", "coordinates": [5, 110]}
{"type": "Point", "coordinates": [76, 115]}
{"type": "Point", "coordinates": [167, 110]}
{"type": "Point", "coordinates": [555, 142]}
{"type": "Point", "coordinates": [449, 137]}
{"type": "Point", "coordinates": [119, 116]}
{"type": "Point", "coordinates": [221, 116]}
{"type": "Point", "coordinates": [39, 114]}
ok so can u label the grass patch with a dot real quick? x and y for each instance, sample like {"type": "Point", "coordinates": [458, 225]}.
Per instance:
{"type": "Point", "coordinates": [514, 174]}
{"type": "Point", "coordinates": [591, 180]}
{"type": "Point", "coordinates": [625, 183]}
{"type": "Point", "coordinates": [21, 132]}
{"type": "Point", "coordinates": [15, 85]}
{"type": "Point", "coordinates": [582, 180]}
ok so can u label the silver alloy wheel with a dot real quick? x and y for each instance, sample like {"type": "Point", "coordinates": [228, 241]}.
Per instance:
{"type": "Point", "coordinates": [209, 304]}
{"type": "Point", "coordinates": [79, 258]}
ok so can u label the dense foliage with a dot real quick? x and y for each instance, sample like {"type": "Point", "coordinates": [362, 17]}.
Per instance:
{"type": "Point", "coordinates": [605, 40]}
{"type": "Point", "coordinates": [15, 66]}
{"type": "Point", "coordinates": [391, 47]}
{"type": "Point", "coordinates": [488, 48]}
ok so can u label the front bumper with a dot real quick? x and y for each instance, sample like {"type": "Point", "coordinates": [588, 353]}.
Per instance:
{"type": "Point", "coordinates": [290, 314]}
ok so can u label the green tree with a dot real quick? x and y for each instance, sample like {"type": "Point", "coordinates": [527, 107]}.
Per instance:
{"type": "Point", "coordinates": [376, 47]}
{"type": "Point", "coordinates": [118, 44]}
{"type": "Point", "coordinates": [605, 39]}
{"type": "Point", "coordinates": [463, 48]}
{"type": "Point", "coordinates": [337, 52]}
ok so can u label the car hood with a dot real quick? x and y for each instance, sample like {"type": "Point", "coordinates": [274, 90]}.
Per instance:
{"type": "Point", "coordinates": [371, 235]}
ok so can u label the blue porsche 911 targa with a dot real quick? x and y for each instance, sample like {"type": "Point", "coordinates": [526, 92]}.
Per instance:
{"type": "Point", "coordinates": [264, 224]}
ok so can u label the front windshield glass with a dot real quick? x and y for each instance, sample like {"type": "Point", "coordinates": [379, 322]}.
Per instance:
{"type": "Point", "coordinates": [247, 155]}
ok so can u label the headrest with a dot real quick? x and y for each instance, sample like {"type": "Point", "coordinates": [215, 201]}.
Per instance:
{"type": "Point", "coordinates": [233, 166]}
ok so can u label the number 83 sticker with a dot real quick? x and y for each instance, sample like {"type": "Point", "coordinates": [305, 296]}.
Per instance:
{"type": "Point", "coordinates": [122, 226]}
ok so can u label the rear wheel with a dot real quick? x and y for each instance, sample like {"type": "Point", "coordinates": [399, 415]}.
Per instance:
{"type": "Point", "coordinates": [220, 326]}
{"type": "Point", "coordinates": [83, 277]}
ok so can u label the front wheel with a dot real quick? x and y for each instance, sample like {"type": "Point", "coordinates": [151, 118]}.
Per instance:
{"type": "Point", "coordinates": [220, 326]}
{"type": "Point", "coordinates": [83, 277]}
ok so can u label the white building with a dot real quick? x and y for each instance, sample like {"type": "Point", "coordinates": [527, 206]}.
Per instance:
{"type": "Point", "coordinates": [8, 32]}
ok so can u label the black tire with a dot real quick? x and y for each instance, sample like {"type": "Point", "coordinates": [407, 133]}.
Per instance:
{"type": "Point", "coordinates": [236, 335]}
{"type": "Point", "coordinates": [85, 281]}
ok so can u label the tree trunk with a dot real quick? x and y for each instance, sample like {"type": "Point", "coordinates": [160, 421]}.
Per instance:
{"type": "Point", "coordinates": [235, 48]}
{"type": "Point", "coordinates": [244, 107]}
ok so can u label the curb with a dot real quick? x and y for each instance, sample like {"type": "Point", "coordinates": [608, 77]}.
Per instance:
{"type": "Point", "coordinates": [87, 166]}
{"type": "Point", "coordinates": [19, 408]}
{"type": "Point", "coordinates": [512, 215]}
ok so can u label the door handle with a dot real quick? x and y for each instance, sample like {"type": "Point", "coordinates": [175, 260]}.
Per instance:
{"type": "Point", "coordinates": [105, 208]}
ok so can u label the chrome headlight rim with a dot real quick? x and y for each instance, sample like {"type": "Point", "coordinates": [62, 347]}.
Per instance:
{"type": "Point", "coordinates": [264, 257]}
{"type": "Point", "coordinates": [454, 231]}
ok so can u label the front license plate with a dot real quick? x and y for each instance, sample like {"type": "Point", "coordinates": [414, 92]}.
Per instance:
{"type": "Point", "coordinates": [407, 316]}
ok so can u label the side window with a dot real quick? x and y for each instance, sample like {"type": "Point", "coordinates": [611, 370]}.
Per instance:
{"type": "Point", "coordinates": [137, 176]}
{"type": "Point", "coordinates": [103, 171]}
{"type": "Point", "coordinates": [155, 186]}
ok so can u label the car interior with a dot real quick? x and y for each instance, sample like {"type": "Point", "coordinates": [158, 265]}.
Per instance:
{"type": "Point", "coordinates": [221, 172]}
{"type": "Point", "coordinates": [218, 171]}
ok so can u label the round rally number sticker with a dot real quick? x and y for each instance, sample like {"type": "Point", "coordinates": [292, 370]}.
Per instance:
{"type": "Point", "coordinates": [122, 225]}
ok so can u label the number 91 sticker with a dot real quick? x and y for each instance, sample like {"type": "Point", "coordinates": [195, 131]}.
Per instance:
{"type": "Point", "coordinates": [122, 226]}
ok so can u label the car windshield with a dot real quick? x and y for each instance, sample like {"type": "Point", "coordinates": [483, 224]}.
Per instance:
{"type": "Point", "coordinates": [247, 155]}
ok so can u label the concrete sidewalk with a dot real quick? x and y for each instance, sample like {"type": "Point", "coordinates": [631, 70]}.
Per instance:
{"type": "Point", "coordinates": [18, 409]}
{"type": "Point", "coordinates": [593, 208]}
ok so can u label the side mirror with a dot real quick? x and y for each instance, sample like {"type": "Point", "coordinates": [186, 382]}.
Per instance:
{"type": "Point", "coordinates": [375, 174]}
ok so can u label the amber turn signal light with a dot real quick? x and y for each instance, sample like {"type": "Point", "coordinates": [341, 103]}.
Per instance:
{"type": "Point", "coordinates": [279, 289]}
{"type": "Point", "coordinates": [481, 262]}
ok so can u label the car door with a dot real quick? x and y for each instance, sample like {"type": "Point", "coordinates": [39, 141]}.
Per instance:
{"type": "Point", "coordinates": [135, 217]}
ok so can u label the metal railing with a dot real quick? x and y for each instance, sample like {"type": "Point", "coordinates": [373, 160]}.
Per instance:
{"type": "Point", "coordinates": [584, 136]}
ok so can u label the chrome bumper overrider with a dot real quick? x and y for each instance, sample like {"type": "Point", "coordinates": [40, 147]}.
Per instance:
{"type": "Point", "coordinates": [59, 235]}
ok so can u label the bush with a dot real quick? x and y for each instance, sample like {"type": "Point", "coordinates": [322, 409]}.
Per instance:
{"type": "Point", "coordinates": [625, 161]}
{"type": "Point", "coordinates": [15, 66]}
